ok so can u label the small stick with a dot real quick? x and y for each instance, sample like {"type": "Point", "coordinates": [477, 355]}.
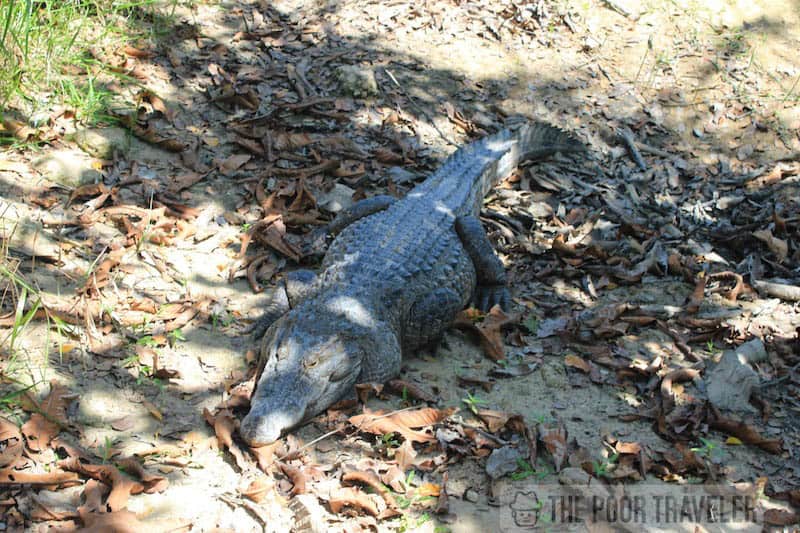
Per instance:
{"type": "Point", "coordinates": [418, 108]}
{"type": "Point", "coordinates": [340, 430]}
{"type": "Point", "coordinates": [630, 143]}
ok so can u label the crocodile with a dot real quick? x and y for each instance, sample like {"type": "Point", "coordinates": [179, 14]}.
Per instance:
{"type": "Point", "coordinates": [393, 278]}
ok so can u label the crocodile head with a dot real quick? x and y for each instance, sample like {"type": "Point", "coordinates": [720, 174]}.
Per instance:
{"type": "Point", "coordinates": [310, 359]}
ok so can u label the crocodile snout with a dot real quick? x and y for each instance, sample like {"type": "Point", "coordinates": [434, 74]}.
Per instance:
{"type": "Point", "coordinates": [262, 429]}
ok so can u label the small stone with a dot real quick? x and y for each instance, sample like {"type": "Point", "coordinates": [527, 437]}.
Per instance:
{"type": "Point", "coordinates": [357, 81]}
{"type": "Point", "coordinates": [502, 461]}
{"type": "Point", "coordinates": [71, 168]}
{"type": "Point", "coordinates": [730, 383]}
{"type": "Point", "coordinates": [103, 142]}
{"type": "Point", "coordinates": [471, 495]}
{"type": "Point", "coordinates": [29, 238]}
{"type": "Point", "coordinates": [338, 198]}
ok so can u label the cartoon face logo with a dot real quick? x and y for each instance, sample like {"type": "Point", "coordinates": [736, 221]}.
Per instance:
{"type": "Point", "coordinates": [525, 509]}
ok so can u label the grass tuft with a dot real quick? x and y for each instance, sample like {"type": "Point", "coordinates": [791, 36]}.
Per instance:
{"type": "Point", "coordinates": [49, 51]}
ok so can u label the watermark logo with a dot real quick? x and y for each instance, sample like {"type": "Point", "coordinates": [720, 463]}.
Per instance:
{"type": "Point", "coordinates": [548, 506]}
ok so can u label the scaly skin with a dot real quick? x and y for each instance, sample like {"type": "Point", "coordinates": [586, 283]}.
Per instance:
{"type": "Point", "coordinates": [391, 281]}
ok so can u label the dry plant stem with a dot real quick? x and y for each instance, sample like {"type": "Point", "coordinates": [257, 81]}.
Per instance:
{"type": "Point", "coordinates": [418, 108]}
{"type": "Point", "coordinates": [335, 431]}
{"type": "Point", "coordinates": [626, 135]}
{"type": "Point", "coordinates": [778, 290]}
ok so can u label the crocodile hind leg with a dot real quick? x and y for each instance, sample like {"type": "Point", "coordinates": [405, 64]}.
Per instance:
{"type": "Point", "coordinates": [295, 286]}
{"type": "Point", "coordinates": [429, 317]}
{"type": "Point", "coordinates": [491, 288]}
{"type": "Point", "coordinates": [317, 241]}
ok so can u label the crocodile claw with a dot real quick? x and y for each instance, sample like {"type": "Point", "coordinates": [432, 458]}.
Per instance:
{"type": "Point", "coordinates": [488, 296]}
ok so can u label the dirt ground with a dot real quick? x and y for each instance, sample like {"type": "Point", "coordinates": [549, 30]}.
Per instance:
{"type": "Point", "coordinates": [637, 269]}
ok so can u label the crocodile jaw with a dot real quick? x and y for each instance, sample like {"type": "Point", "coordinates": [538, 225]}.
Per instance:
{"type": "Point", "coordinates": [259, 429]}
{"type": "Point", "coordinates": [306, 369]}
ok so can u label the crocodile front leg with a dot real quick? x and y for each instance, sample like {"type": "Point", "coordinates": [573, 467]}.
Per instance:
{"type": "Point", "coordinates": [293, 288]}
{"type": "Point", "coordinates": [317, 241]}
{"type": "Point", "coordinates": [429, 317]}
{"type": "Point", "coordinates": [491, 288]}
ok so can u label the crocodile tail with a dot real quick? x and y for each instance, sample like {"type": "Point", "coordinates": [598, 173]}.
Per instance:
{"type": "Point", "coordinates": [538, 139]}
{"type": "Point", "coordinates": [534, 140]}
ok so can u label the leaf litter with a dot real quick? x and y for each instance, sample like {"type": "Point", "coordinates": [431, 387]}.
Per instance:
{"type": "Point", "coordinates": [636, 268]}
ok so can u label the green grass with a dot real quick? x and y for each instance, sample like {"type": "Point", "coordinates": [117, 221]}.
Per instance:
{"type": "Point", "coordinates": [49, 51]}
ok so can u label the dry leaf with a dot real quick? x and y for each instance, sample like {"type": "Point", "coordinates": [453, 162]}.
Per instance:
{"type": "Point", "coordinates": [372, 480]}
{"type": "Point", "coordinates": [224, 425]}
{"type": "Point", "coordinates": [348, 496]}
{"type": "Point", "coordinates": [429, 489]}
{"type": "Point", "coordinates": [405, 455]}
{"type": "Point", "coordinates": [578, 362]}
{"type": "Point", "coordinates": [489, 330]}
{"type": "Point", "coordinates": [44, 426]}
{"type": "Point", "coordinates": [777, 246]}
{"type": "Point", "coordinates": [232, 163]}
{"type": "Point", "coordinates": [401, 422]}
{"type": "Point", "coordinates": [257, 489]}
{"type": "Point", "coordinates": [412, 390]}
{"type": "Point", "coordinates": [555, 440]}
{"type": "Point", "coordinates": [10, 443]}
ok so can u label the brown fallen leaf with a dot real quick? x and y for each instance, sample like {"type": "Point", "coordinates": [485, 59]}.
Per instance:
{"type": "Point", "coordinates": [469, 381]}
{"type": "Point", "coordinates": [575, 361]}
{"type": "Point", "coordinates": [122, 486]}
{"type": "Point", "coordinates": [257, 489]}
{"type": "Point", "coordinates": [372, 480]}
{"type": "Point", "coordinates": [675, 376]}
{"type": "Point", "coordinates": [405, 455]}
{"type": "Point", "coordinates": [9, 476]}
{"type": "Point", "coordinates": [429, 489]}
{"type": "Point", "coordinates": [780, 517]}
{"type": "Point", "coordinates": [739, 286]}
{"type": "Point", "coordinates": [44, 425]}
{"type": "Point", "coordinates": [153, 410]}
{"type": "Point", "coordinates": [233, 163]}
{"type": "Point", "coordinates": [10, 443]}
{"type": "Point", "coordinates": [402, 422]}
{"type": "Point", "coordinates": [124, 521]}
{"type": "Point", "coordinates": [555, 441]}
{"type": "Point", "coordinates": [271, 231]}
{"type": "Point", "coordinates": [224, 424]}
{"type": "Point", "coordinates": [296, 475]}
{"type": "Point", "coordinates": [777, 246]}
{"type": "Point", "coordinates": [136, 52]}
{"type": "Point", "coordinates": [152, 482]}
{"type": "Point", "coordinates": [404, 387]}
{"type": "Point", "coordinates": [628, 447]}
{"type": "Point", "coordinates": [489, 329]}
{"type": "Point", "coordinates": [745, 433]}
{"type": "Point", "coordinates": [183, 181]}
{"type": "Point", "coordinates": [265, 455]}
{"type": "Point", "coordinates": [495, 420]}
{"type": "Point", "coordinates": [348, 496]}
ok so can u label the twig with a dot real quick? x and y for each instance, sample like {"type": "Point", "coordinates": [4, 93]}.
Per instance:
{"type": "Point", "coordinates": [614, 6]}
{"type": "Point", "coordinates": [294, 77]}
{"type": "Point", "coordinates": [339, 430]}
{"type": "Point", "coordinates": [626, 136]}
{"type": "Point", "coordinates": [783, 291]}
{"type": "Point", "coordinates": [418, 108]}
